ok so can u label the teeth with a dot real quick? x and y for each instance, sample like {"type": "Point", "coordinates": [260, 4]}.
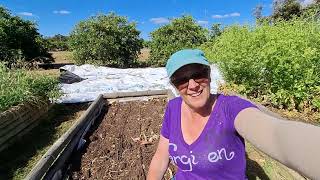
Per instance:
{"type": "Point", "coordinates": [197, 94]}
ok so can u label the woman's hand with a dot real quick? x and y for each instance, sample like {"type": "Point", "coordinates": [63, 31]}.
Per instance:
{"type": "Point", "coordinates": [160, 160]}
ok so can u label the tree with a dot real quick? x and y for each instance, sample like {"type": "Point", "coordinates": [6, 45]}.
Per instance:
{"type": "Point", "coordinates": [146, 43]}
{"type": "Point", "coordinates": [257, 12]}
{"type": "Point", "coordinates": [20, 40]}
{"type": "Point", "coordinates": [312, 11]}
{"type": "Point", "coordinates": [58, 42]}
{"type": "Point", "coordinates": [180, 33]}
{"type": "Point", "coordinates": [106, 40]}
{"type": "Point", "coordinates": [215, 30]}
{"type": "Point", "coordinates": [286, 9]}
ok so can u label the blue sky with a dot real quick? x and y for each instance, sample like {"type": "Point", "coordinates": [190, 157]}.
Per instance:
{"type": "Point", "coordinates": [60, 17]}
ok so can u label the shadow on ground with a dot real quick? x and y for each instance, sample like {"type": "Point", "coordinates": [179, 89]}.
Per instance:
{"type": "Point", "coordinates": [255, 171]}
{"type": "Point", "coordinates": [17, 160]}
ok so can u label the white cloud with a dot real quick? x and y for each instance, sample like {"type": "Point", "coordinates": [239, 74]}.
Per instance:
{"type": "Point", "coordinates": [61, 12]}
{"type": "Point", "coordinates": [160, 20]}
{"type": "Point", "coordinates": [202, 22]}
{"type": "Point", "coordinates": [25, 13]}
{"type": "Point", "coordinates": [219, 16]}
{"type": "Point", "coordinates": [305, 3]}
{"type": "Point", "coordinates": [236, 14]}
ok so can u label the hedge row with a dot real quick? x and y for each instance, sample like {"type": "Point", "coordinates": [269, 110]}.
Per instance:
{"type": "Point", "coordinates": [279, 63]}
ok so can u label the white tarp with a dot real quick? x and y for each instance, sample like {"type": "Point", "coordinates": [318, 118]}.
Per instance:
{"type": "Point", "coordinates": [101, 80]}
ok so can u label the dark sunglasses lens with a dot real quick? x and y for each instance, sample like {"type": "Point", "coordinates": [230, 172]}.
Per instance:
{"type": "Point", "coordinates": [180, 81]}
{"type": "Point", "coordinates": [199, 75]}
{"type": "Point", "coordinates": [195, 76]}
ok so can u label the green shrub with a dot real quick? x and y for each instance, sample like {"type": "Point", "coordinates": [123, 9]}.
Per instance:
{"type": "Point", "coordinates": [278, 63]}
{"type": "Point", "coordinates": [20, 40]}
{"type": "Point", "coordinates": [106, 40]}
{"type": "Point", "coordinates": [18, 86]}
{"type": "Point", "coordinates": [181, 33]}
{"type": "Point", "coordinates": [57, 43]}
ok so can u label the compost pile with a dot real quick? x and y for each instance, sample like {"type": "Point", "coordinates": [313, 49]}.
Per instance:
{"type": "Point", "coordinates": [122, 145]}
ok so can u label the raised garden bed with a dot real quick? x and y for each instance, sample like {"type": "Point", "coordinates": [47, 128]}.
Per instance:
{"type": "Point", "coordinates": [18, 159]}
{"type": "Point", "coordinates": [120, 143]}
{"type": "Point", "coordinates": [123, 144]}
{"type": "Point", "coordinates": [19, 120]}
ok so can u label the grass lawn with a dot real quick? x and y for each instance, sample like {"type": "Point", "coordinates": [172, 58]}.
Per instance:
{"type": "Point", "coordinates": [17, 161]}
{"type": "Point", "coordinates": [66, 56]}
{"type": "Point", "coordinates": [62, 56]}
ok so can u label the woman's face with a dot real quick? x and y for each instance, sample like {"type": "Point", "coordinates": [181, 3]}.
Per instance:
{"type": "Point", "coordinates": [193, 83]}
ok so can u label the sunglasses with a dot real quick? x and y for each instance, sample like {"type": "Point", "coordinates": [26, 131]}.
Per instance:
{"type": "Point", "coordinates": [183, 82]}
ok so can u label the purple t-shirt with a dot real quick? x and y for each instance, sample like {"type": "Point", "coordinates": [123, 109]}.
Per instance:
{"type": "Point", "coordinates": [218, 153]}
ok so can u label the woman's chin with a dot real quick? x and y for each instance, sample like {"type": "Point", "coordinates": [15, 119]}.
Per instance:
{"type": "Point", "coordinates": [197, 104]}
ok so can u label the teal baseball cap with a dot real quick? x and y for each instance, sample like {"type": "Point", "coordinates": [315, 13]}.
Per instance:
{"type": "Point", "coordinates": [184, 57]}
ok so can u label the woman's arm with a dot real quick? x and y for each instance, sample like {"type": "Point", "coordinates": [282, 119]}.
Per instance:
{"type": "Point", "coordinates": [295, 144]}
{"type": "Point", "coordinates": [160, 160]}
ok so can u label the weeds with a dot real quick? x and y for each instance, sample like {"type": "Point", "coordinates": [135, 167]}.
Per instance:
{"type": "Point", "coordinates": [18, 86]}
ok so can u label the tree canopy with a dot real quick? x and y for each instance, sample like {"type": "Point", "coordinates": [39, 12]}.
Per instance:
{"type": "Point", "coordinates": [20, 40]}
{"type": "Point", "coordinates": [180, 33]}
{"type": "Point", "coordinates": [106, 40]}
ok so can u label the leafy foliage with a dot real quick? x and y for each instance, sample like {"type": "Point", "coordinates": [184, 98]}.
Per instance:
{"type": "Point", "coordinates": [215, 31]}
{"type": "Point", "coordinates": [58, 43]}
{"type": "Point", "coordinates": [18, 86]}
{"type": "Point", "coordinates": [20, 40]}
{"type": "Point", "coordinates": [312, 12]}
{"type": "Point", "coordinates": [286, 9]}
{"type": "Point", "coordinates": [146, 44]}
{"type": "Point", "coordinates": [181, 33]}
{"type": "Point", "coordinates": [278, 63]}
{"type": "Point", "coordinates": [106, 40]}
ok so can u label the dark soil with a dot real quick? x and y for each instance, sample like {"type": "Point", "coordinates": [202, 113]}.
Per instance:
{"type": "Point", "coordinates": [122, 145]}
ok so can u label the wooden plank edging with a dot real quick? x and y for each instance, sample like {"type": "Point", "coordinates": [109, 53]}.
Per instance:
{"type": "Point", "coordinates": [49, 166]}
{"type": "Point", "coordinates": [15, 125]}
{"type": "Point", "coordinates": [134, 94]}
{"type": "Point", "coordinates": [40, 169]}
{"type": "Point", "coordinates": [55, 171]}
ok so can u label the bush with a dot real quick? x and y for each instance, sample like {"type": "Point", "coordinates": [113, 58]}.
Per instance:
{"type": "Point", "coordinates": [181, 33]}
{"type": "Point", "coordinates": [18, 86]}
{"type": "Point", "coordinates": [20, 40]}
{"type": "Point", "coordinates": [278, 63]}
{"type": "Point", "coordinates": [106, 40]}
{"type": "Point", "coordinates": [57, 43]}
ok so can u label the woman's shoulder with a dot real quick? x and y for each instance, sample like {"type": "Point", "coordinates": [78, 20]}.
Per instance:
{"type": "Point", "coordinates": [236, 103]}
{"type": "Point", "coordinates": [175, 101]}
{"type": "Point", "coordinates": [231, 98]}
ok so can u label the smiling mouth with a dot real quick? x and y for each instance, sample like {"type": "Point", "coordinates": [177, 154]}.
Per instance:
{"type": "Point", "coordinates": [196, 94]}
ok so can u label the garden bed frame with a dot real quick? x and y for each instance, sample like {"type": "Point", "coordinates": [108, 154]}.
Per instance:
{"type": "Point", "coordinates": [19, 120]}
{"type": "Point", "coordinates": [52, 164]}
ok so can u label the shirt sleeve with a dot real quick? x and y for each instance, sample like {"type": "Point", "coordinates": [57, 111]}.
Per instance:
{"type": "Point", "coordinates": [165, 129]}
{"type": "Point", "coordinates": [237, 104]}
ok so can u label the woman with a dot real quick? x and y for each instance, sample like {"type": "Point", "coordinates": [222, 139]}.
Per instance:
{"type": "Point", "coordinates": [202, 133]}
